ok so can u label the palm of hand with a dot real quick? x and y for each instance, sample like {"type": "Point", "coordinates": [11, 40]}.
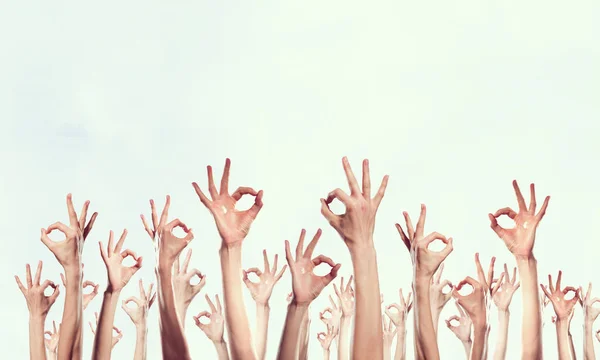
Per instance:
{"type": "Point", "coordinates": [183, 289]}
{"type": "Point", "coordinates": [388, 336]}
{"type": "Point", "coordinates": [562, 307]}
{"type": "Point", "coordinates": [463, 330]}
{"type": "Point", "coordinates": [261, 291]}
{"type": "Point", "coordinates": [52, 343]}
{"type": "Point", "coordinates": [215, 329]}
{"type": "Point", "coordinates": [170, 245]}
{"type": "Point", "coordinates": [306, 285]}
{"type": "Point", "coordinates": [437, 296]}
{"type": "Point", "coordinates": [118, 275]}
{"type": "Point", "coordinates": [398, 317]}
{"type": "Point", "coordinates": [359, 221]}
{"type": "Point", "coordinates": [520, 239]}
{"type": "Point", "coordinates": [231, 223]}
{"type": "Point", "coordinates": [37, 301]}
{"type": "Point", "coordinates": [347, 303]}
{"type": "Point", "coordinates": [503, 296]}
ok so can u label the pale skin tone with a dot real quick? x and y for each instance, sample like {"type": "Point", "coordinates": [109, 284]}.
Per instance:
{"type": "Point", "coordinates": [52, 341]}
{"type": "Point", "coordinates": [398, 312]}
{"type": "Point", "coordinates": [138, 313]}
{"type": "Point", "coordinates": [118, 277]}
{"type": "Point", "coordinates": [184, 290]}
{"type": "Point", "coordinates": [502, 298]}
{"type": "Point", "coordinates": [491, 288]}
{"type": "Point", "coordinates": [306, 286]}
{"type": "Point", "coordinates": [233, 226]}
{"type": "Point", "coordinates": [38, 305]}
{"type": "Point", "coordinates": [563, 309]}
{"type": "Point", "coordinates": [215, 328]}
{"type": "Point", "coordinates": [590, 314]}
{"type": "Point", "coordinates": [168, 247]}
{"type": "Point", "coordinates": [571, 346]}
{"type": "Point", "coordinates": [261, 293]}
{"type": "Point", "coordinates": [114, 338]}
{"type": "Point", "coordinates": [325, 339]}
{"type": "Point", "coordinates": [304, 332]}
{"type": "Point", "coordinates": [356, 227]}
{"type": "Point", "coordinates": [389, 332]}
{"type": "Point", "coordinates": [332, 315]}
{"type": "Point", "coordinates": [461, 326]}
{"type": "Point", "coordinates": [438, 297]}
{"type": "Point", "coordinates": [425, 263]}
{"type": "Point", "coordinates": [474, 304]}
{"type": "Point", "coordinates": [345, 295]}
{"type": "Point", "coordinates": [68, 252]}
{"type": "Point", "coordinates": [520, 241]}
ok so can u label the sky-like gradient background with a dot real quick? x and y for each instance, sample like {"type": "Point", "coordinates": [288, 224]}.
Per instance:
{"type": "Point", "coordinates": [121, 102]}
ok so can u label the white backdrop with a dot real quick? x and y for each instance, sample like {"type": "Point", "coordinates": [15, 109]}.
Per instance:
{"type": "Point", "coordinates": [122, 102]}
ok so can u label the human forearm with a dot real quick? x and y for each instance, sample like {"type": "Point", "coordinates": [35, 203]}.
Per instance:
{"type": "Point", "coordinates": [235, 311]}
{"type": "Point", "coordinates": [435, 318]}
{"type": "Point", "coordinates": [400, 343]}
{"type": "Point", "coordinates": [588, 341]}
{"type": "Point", "coordinates": [344, 338]}
{"type": "Point", "coordinates": [174, 345]}
{"type": "Point", "coordinates": [103, 339]}
{"type": "Point", "coordinates": [36, 337]}
{"type": "Point", "coordinates": [72, 313]}
{"type": "Point", "coordinates": [368, 331]}
{"type": "Point", "coordinates": [425, 338]}
{"type": "Point", "coordinates": [221, 347]}
{"type": "Point", "coordinates": [262, 328]}
{"type": "Point", "coordinates": [478, 347]}
{"type": "Point", "coordinates": [502, 336]}
{"type": "Point", "coordinates": [140, 342]}
{"type": "Point", "coordinates": [326, 354]}
{"type": "Point", "coordinates": [467, 345]}
{"type": "Point", "coordinates": [531, 338]}
{"type": "Point", "coordinates": [303, 338]}
{"type": "Point", "coordinates": [181, 311]}
{"type": "Point", "coordinates": [562, 337]}
{"type": "Point", "coordinates": [289, 338]}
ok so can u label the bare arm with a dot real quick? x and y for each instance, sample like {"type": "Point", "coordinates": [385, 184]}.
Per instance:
{"type": "Point", "coordinates": [562, 336]}
{"type": "Point", "coordinates": [399, 320]}
{"type": "Point", "coordinates": [590, 314]}
{"type": "Point", "coordinates": [400, 344]}
{"type": "Point", "coordinates": [139, 316]}
{"type": "Point", "coordinates": [291, 331]}
{"type": "Point", "coordinates": [344, 338]}
{"type": "Point", "coordinates": [184, 291]}
{"type": "Point", "coordinates": [215, 329]}
{"type": "Point", "coordinates": [502, 336]}
{"type": "Point", "coordinates": [103, 342]}
{"type": "Point", "coordinates": [356, 228]}
{"type": "Point", "coordinates": [304, 337]}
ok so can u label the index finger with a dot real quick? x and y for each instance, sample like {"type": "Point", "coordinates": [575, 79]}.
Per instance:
{"type": "Point", "coordinates": [210, 303]}
{"type": "Point", "coordinates": [354, 189]}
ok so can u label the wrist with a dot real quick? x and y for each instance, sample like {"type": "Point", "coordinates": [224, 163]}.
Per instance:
{"type": "Point", "coordinates": [221, 341]}
{"type": "Point", "coordinates": [233, 244]}
{"type": "Point", "coordinates": [502, 313]}
{"type": "Point", "coordinates": [263, 306]}
{"type": "Point", "coordinates": [360, 245]}
{"type": "Point", "coordinates": [37, 319]}
{"type": "Point", "coordinates": [525, 260]}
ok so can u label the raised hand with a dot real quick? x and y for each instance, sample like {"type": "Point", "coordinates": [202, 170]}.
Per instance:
{"type": "Point", "coordinates": [487, 281]}
{"type": "Point", "coordinates": [166, 244]}
{"type": "Point", "coordinates": [403, 308]}
{"type": "Point", "coordinates": [506, 289]}
{"type": "Point", "coordinates": [115, 339]}
{"type": "Point", "coordinates": [345, 296]}
{"type": "Point", "coordinates": [261, 290]}
{"type": "Point", "coordinates": [215, 328]}
{"type": "Point", "coordinates": [37, 303]}
{"type": "Point", "coordinates": [233, 224]}
{"type": "Point", "coordinates": [520, 239]}
{"type": "Point", "coordinates": [463, 329]}
{"type": "Point", "coordinates": [306, 286]}
{"type": "Point", "coordinates": [357, 224]}
{"type": "Point", "coordinates": [52, 342]}
{"type": "Point", "coordinates": [474, 303]}
{"type": "Point", "coordinates": [118, 275]}
{"type": "Point", "coordinates": [184, 291]}
{"type": "Point", "coordinates": [326, 338]}
{"type": "Point", "coordinates": [389, 331]}
{"type": "Point", "coordinates": [87, 298]}
{"type": "Point", "coordinates": [544, 301]}
{"type": "Point", "coordinates": [439, 299]}
{"type": "Point", "coordinates": [562, 306]}
{"type": "Point", "coordinates": [139, 313]}
{"type": "Point", "coordinates": [590, 312]}
{"type": "Point", "coordinates": [335, 312]}
{"type": "Point", "coordinates": [598, 335]}
{"type": "Point", "coordinates": [68, 251]}
{"type": "Point", "coordinates": [425, 262]}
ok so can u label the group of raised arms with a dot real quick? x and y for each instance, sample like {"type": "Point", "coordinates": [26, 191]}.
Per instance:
{"type": "Point", "coordinates": [355, 312]}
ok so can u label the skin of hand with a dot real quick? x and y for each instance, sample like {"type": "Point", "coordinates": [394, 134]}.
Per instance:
{"type": "Point", "coordinates": [403, 308]}
{"type": "Point", "coordinates": [52, 342]}
{"type": "Point", "coordinates": [87, 298]}
{"type": "Point", "coordinates": [215, 329]}
{"type": "Point", "coordinates": [139, 313]}
{"type": "Point", "coordinates": [356, 228]}
{"type": "Point", "coordinates": [233, 226]}
{"type": "Point", "coordinates": [439, 299]}
{"type": "Point", "coordinates": [167, 247]}
{"type": "Point", "coordinates": [345, 296]}
{"type": "Point", "coordinates": [335, 316]}
{"type": "Point", "coordinates": [520, 241]}
{"type": "Point", "coordinates": [68, 253]}
{"type": "Point", "coordinates": [598, 335]}
{"type": "Point", "coordinates": [118, 278]}
{"type": "Point", "coordinates": [590, 314]}
{"type": "Point", "coordinates": [425, 264]}
{"type": "Point", "coordinates": [463, 329]}
{"type": "Point", "coordinates": [261, 291]}
{"type": "Point", "coordinates": [476, 308]}
{"type": "Point", "coordinates": [326, 338]}
{"type": "Point", "coordinates": [184, 291]}
{"type": "Point", "coordinates": [506, 289]}
{"type": "Point", "coordinates": [39, 305]}
{"type": "Point", "coordinates": [115, 338]}
{"type": "Point", "coordinates": [389, 332]}
{"type": "Point", "coordinates": [306, 286]}
{"type": "Point", "coordinates": [544, 301]}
